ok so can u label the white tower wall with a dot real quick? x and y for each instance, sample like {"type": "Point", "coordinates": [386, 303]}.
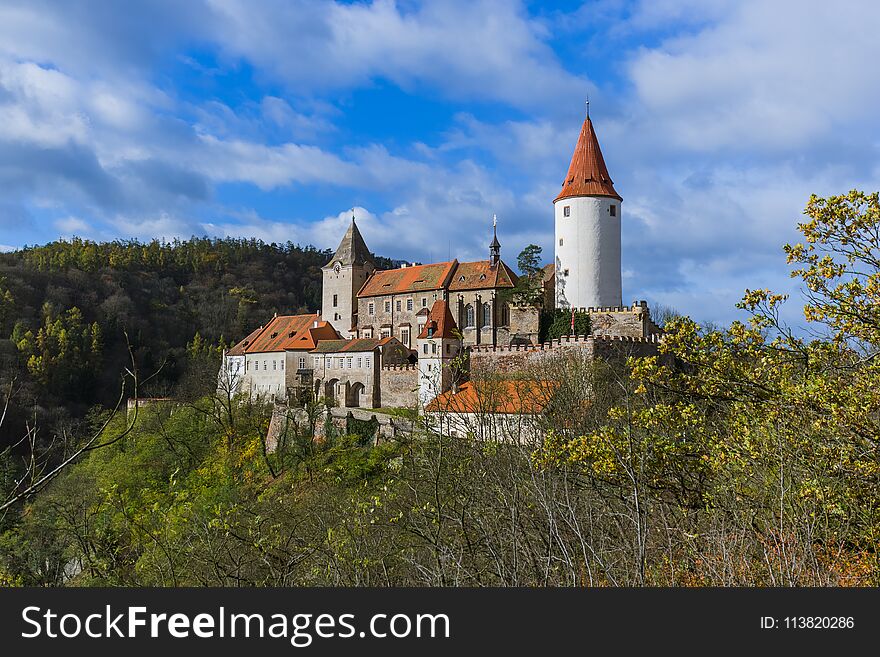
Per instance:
{"type": "Point", "coordinates": [587, 250]}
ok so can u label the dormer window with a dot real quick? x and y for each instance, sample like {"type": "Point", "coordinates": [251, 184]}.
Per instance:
{"type": "Point", "coordinates": [275, 334]}
{"type": "Point", "coordinates": [482, 277]}
{"type": "Point", "coordinates": [461, 279]}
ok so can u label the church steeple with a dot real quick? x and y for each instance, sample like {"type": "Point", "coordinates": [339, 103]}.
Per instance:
{"type": "Point", "coordinates": [587, 173]}
{"type": "Point", "coordinates": [495, 246]}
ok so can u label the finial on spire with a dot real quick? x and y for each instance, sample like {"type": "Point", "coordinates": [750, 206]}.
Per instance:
{"type": "Point", "coordinates": [588, 105]}
{"type": "Point", "coordinates": [494, 220]}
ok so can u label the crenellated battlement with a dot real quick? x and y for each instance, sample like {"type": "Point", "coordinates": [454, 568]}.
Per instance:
{"type": "Point", "coordinates": [566, 341]}
{"type": "Point", "coordinates": [400, 368]}
{"type": "Point", "coordinates": [637, 306]}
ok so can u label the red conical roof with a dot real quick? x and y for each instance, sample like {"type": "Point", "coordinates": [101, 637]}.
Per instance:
{"type": "Point", "coordinates": [587, 173]}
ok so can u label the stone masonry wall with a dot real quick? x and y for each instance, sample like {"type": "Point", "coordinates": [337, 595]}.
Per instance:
{"type": "Point", "coordinates": [516, 358]}
{"type": "Point", "coordinates": [399, 386]}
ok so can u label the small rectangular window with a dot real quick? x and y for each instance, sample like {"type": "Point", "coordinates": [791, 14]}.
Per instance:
{"type": "Point", "coordinates": [433, 347]}
{"type": "Point", "coordinates": [335, 300]}
{"type": "Point", "coordinates": [613, 210]}
{"type": "Point", "coordinates": [409, 304]}
{"type": "Point", "coordinates": [560, 241]}
{"type": "Point", "coordinates": [565, 272]}
{"type": "Point", "coordinates": [348, 362]}
{"type": "Point", "coordinates": [302, 362]}
{"type": "Point", "coordinates": [425, 347]}
{"type": "Point", "coordinates": [566, 211]}
{"type": "Point", "coordinates": [424, 302]}
{"type": "Point", "coordinates": [387, 306]}
{"type": "Point", "coordinates": [397, 306]}
{"type": "Point", "coordinates": [371, 308]}
{"type": "Point", "coordinates": [368, 363]}
{"type": "Point", "coordinates": [360, 362]}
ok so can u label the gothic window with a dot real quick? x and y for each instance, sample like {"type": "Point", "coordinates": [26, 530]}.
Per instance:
{"type": "Point", "coordinates": [335, 300]}
{"type": "Point", "coordinates": [487, 314]}
{"type": "Point", "coordinates": [566, 211]}
{"type": "Point", "coordinates": [469, 318]}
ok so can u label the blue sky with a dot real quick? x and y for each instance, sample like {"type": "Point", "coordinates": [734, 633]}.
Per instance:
{"type": "Point", "coordinates": [274, 119]}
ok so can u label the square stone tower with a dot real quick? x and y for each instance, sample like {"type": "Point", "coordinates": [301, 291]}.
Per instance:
{"type": "Point", "coordinates": [344, 275]}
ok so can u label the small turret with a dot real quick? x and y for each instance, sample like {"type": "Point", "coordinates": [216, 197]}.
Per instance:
{"type": "Point", "coordinates": [495, 246]}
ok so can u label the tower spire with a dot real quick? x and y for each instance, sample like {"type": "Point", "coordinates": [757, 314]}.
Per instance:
{"type": "Point", "coordinates": [495, 246]}
{"type": "Point", "coordinates": [587, 174]}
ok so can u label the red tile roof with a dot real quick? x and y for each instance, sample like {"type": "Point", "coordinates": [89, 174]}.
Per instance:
{"type": "Point", "coordinates": [418, 278]}
{"type": "Point", "coordinates": [440, 322]}
{"type": "Point", "coordinates": [290, 333]}
{"type": "Point", "coordinates": [241, 347]}
{"type": "Point", "coordinates": [496, 396]}
{"type": "Point", "coordinates": [482, 275]}
{"type": "Point", "coordinates": [357, 344]}
{"type": "Point", "coordinates": [587, 173]}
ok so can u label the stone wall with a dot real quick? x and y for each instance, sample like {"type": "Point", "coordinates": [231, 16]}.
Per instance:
{"type": "Point", "coordinates": [524, 324]}
{"type": "Point", "coordinates": [517, 358]}
{"type": "Point", "coordinates": [399, 386]}
{"type": "Point", "coordinates": [628, 321]}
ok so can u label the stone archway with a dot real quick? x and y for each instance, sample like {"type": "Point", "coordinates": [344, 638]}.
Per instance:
{"type": "Point", "coordinates": [355, 395]}
{"type": "Point", "coordinates": [330, 392]}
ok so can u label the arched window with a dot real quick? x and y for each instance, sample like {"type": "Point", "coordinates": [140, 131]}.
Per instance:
{"type": "Point", "coordinates": [469, 316]}
{"type": "Point", "coordinates": [487, 314]}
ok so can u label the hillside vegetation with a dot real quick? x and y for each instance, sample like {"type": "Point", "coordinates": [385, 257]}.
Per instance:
{"type": "Point", "coordinates": [744, 455]}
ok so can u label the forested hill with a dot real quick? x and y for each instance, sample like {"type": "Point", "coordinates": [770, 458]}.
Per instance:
{"type": "Point", "coordinates": [66, 307]}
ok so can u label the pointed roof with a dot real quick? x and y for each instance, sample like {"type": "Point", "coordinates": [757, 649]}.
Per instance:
{"type": "Point", "coordinates": [440, 322]}
{"type": "Point", "coordinates": [352, 249]}
{"type": "Point", "coordinates": [587, 173]}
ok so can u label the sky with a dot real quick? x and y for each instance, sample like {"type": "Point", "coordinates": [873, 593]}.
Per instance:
{"type": "Point", "coordinates": [279, 119]}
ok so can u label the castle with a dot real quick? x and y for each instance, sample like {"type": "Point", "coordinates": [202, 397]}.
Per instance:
{"type": "Point", "coordinates": [408, 337]}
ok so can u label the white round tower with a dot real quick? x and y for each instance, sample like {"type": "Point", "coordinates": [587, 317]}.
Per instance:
{"type": "Point", "coordinates": [587, 246]}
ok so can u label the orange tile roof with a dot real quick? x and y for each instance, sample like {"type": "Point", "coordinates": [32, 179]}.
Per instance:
{"type": "Point", "coordinates": [440, 322]}
{"type": "Point", "coordinates": [587, 173]}
{"type": "Point", "coordinates": [418, 278]}
{"type": "Point", "coordinates": [241, 347]}
{"type": "Point", "coordinates": [291, 333]}
{"type": "Point", "coordinates": [356, 344]}
{"type": "Point", "coordinates": [482, 275]}
{"type": "Point", "coordinates": [496, 396]}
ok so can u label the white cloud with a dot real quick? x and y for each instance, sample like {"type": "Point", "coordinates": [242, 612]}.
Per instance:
{"type": "Point", "coordinates": [465, 49]}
